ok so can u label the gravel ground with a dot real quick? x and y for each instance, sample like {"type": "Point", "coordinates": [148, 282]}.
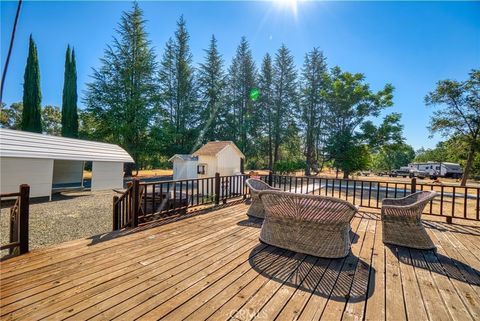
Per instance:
{"type": "Point", "coordinates": [69, 216]}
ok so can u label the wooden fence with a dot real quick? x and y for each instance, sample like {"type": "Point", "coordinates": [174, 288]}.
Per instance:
{"type": "Point", "coordinates": [452, 202]}
{"type": "Point", "coordinates": [19, 216]}
{"type": "Point", "coordinates": [148, 201]}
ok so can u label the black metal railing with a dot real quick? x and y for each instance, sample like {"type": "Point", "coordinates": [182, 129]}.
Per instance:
{"type": "Point", "coordinates": [453, 201]}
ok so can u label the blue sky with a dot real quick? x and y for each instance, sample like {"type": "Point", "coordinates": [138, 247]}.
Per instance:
{"type": "Point", "coordinates": [409, 44]}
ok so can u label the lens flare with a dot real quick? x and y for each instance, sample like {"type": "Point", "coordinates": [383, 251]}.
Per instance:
{"type": "Point", "coordinates": [254, 94]}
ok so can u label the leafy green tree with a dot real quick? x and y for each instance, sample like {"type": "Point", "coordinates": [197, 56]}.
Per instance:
{"type": "Point", "coordinates": [32, 97]}
{"type": "Point", "coordinates": [52, 120]}
{"type": "Point", "coordinates": [312, 105]}
{"type": "Point", "coordinates": [69, 98]}
{"type": "Point", "coordinates": [241, 118]}
{"type": "Point", "coordinates": [393, 156]}
{"type": "Point", "coordinates": [211, 84]}
{"type": "Point", "coordinates": [11, 117]}
{"type": "Point", "coordinates": [285, 98]}
{"type": "Point", "coordinates": [265, 105]}
{"type": "Point", "coordinates": [123, 93]}
{"type": "Point", "coordinates": [350, 103]}
{"type": "Point", "coordinates": [460, 115]}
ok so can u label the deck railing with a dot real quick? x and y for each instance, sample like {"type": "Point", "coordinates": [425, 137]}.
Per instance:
{"type": "Point", "coordinates": [148, 201]}
{"type": "Point", "coordinates": [19, 216]}
{"type": "Point", "coordinates": [452, 202]}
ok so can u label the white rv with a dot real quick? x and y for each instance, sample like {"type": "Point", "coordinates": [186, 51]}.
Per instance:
{"type": "Point", "coordinates": [441, 169]}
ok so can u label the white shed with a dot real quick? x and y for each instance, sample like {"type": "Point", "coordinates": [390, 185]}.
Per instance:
{"type": "Point", "coordinates": [222, 157]}
{"type": "Point", "coordinates": [184, 166]}
{"type": "Point", "coordinates": [44, 162]}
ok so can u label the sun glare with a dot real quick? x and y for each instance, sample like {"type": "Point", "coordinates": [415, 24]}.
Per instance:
{"type": "Point", "coordinates": [288, 5]}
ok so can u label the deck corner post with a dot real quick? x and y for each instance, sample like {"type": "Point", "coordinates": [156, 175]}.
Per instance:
{"type": "Point", "coordinates": [135, 201]}
{"type": "Point", "coordinates": [24, 217]}
{"type": "Point", "coordinates": [115, 213]}
{"type": "Point", "coordinates": [413, 189]}
{"type": "Point", "coordinates": [217, 188]}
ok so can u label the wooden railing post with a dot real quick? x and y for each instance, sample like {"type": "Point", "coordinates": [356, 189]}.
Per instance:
{"type": "Point", "coordinates": [24, 214]}
{"type": "Point", "coordinates": [270, 178]}
{"type": "Point", "coordinates": [217, 188]}
{"type": "Point", "coordinates": [115, 213]}
{"type": "Point", "coordinates": [413, 189]}
{"type": "Point", "coordinates": [135, 201]}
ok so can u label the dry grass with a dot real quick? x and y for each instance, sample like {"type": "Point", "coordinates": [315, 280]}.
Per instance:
{"type": "Point", "coordinates": [144, 173]}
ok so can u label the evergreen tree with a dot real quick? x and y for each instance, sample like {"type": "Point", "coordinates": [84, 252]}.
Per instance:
{"type": "Point", "coordinates": [11, 117]}
{"type": "Point", "coordinates": [180, 117]}
{"type": "Point", "coordinates": [284, 97]}
{"type": "Point", "coordinates": [32, 98]}
{"type": "Point", "coordinates": [265, 102]}
{"type": "Point", "coordinates": [69, 98]}
{"type": "Point", "coordinates": [312, 105]}
{"type": "Point", "coordinates": [241, 84]}
{"type": "Point", "coordinates": [211, 84]}
{"type": "Point", "coordinates": [123, 93]}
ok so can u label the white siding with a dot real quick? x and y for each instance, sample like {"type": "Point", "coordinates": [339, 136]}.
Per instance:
{"type": "Point", "coordinates": [183, 169]}
{"type": "Point", "coordinates": [228, 161]}
{"type": "Point", "coordinates": [211, 162]}
{"type": "Point", "coordinates": [107, 175]}
{"type": "Point", "coordinates": [37, 173]}
{"type": "Point", "coordinates": [65, 171]}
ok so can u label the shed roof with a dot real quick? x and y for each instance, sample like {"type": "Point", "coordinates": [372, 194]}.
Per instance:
{"type": "Point", "coordinates": [16, 143]}
{"type": "Point", "coordinates": [213, 148]}
{"type": "Point", "coordinates": [185, 157]}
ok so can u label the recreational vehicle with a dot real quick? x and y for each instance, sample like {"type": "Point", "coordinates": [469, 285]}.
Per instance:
{"type": "Point", "coordinates": [440, 169]}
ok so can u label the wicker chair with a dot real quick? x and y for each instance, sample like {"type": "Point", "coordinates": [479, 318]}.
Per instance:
{"type": "Point", "coordinates": [309, 224]}
{"type": "Point", "coordinates": [402, 224]}
{"type": "Point", "coordinates": [256, 186]}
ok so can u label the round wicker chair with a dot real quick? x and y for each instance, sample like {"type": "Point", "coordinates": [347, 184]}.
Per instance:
{"type": "Point", "coordinates": [309, 224]}
{"type": "Point", "coordinates": [256, 186]}
{"type": "Point", "coordinates": [402, 223]}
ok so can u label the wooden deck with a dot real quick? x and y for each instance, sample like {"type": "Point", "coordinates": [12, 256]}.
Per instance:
{"type": "Point", "coordinates": [212, 266]}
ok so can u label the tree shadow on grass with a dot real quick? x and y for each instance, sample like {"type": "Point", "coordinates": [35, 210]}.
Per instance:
{"type": "Point", "coordinates": [336, 279]}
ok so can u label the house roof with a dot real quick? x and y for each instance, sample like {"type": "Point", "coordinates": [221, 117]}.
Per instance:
{"type": "Point", "coordinates": [16, 143]}
{"type": "Point", "coordinates": [213, 148]}
{"type": "Point", "coordinates": [185, 157]}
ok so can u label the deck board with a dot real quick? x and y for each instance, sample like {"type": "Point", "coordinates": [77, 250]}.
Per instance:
{"type": "Point", "coordinates": [212, 267]}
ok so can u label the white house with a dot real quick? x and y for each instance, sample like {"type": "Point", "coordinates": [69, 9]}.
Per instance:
{"type": "Point", "coordinates": [44, 162]}
{"type": "Point", "coordinates": [184, 166]}
{"type": "Point", "coordinates": [222, 157]}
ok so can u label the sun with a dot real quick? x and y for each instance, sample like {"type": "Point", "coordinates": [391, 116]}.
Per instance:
{"type": "Point", "coordinates": [288, 4]}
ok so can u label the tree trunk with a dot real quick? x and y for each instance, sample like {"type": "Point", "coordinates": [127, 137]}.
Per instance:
{"type": "Point", "coordinates": [468, 166]}
{"type": "Point", "coordinates": [345, 175]}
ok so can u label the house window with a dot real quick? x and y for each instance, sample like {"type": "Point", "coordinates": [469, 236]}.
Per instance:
{"type": "Point", "coordinates": [201, 169]}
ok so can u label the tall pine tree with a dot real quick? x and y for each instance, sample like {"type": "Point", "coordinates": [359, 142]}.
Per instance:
{"type": "Point", "coordinates": [241, 82]}
{"type": "Point", "coordinates": [69, 99]}
{"type": "Point", "coordinates": [124, 91]}
{"type": "Point", "coordinates": [284, 97]}
{"type": "Point", "coordinates": [265, 84]}
{"type": "Point", "coordinates": [313, 109]}
{"type": "Point", "coordinates": [32, 98]}
{"type": "Point", "coordinates": [211, 84]}
{"type": "Point", "coordinates": [180, 117]}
